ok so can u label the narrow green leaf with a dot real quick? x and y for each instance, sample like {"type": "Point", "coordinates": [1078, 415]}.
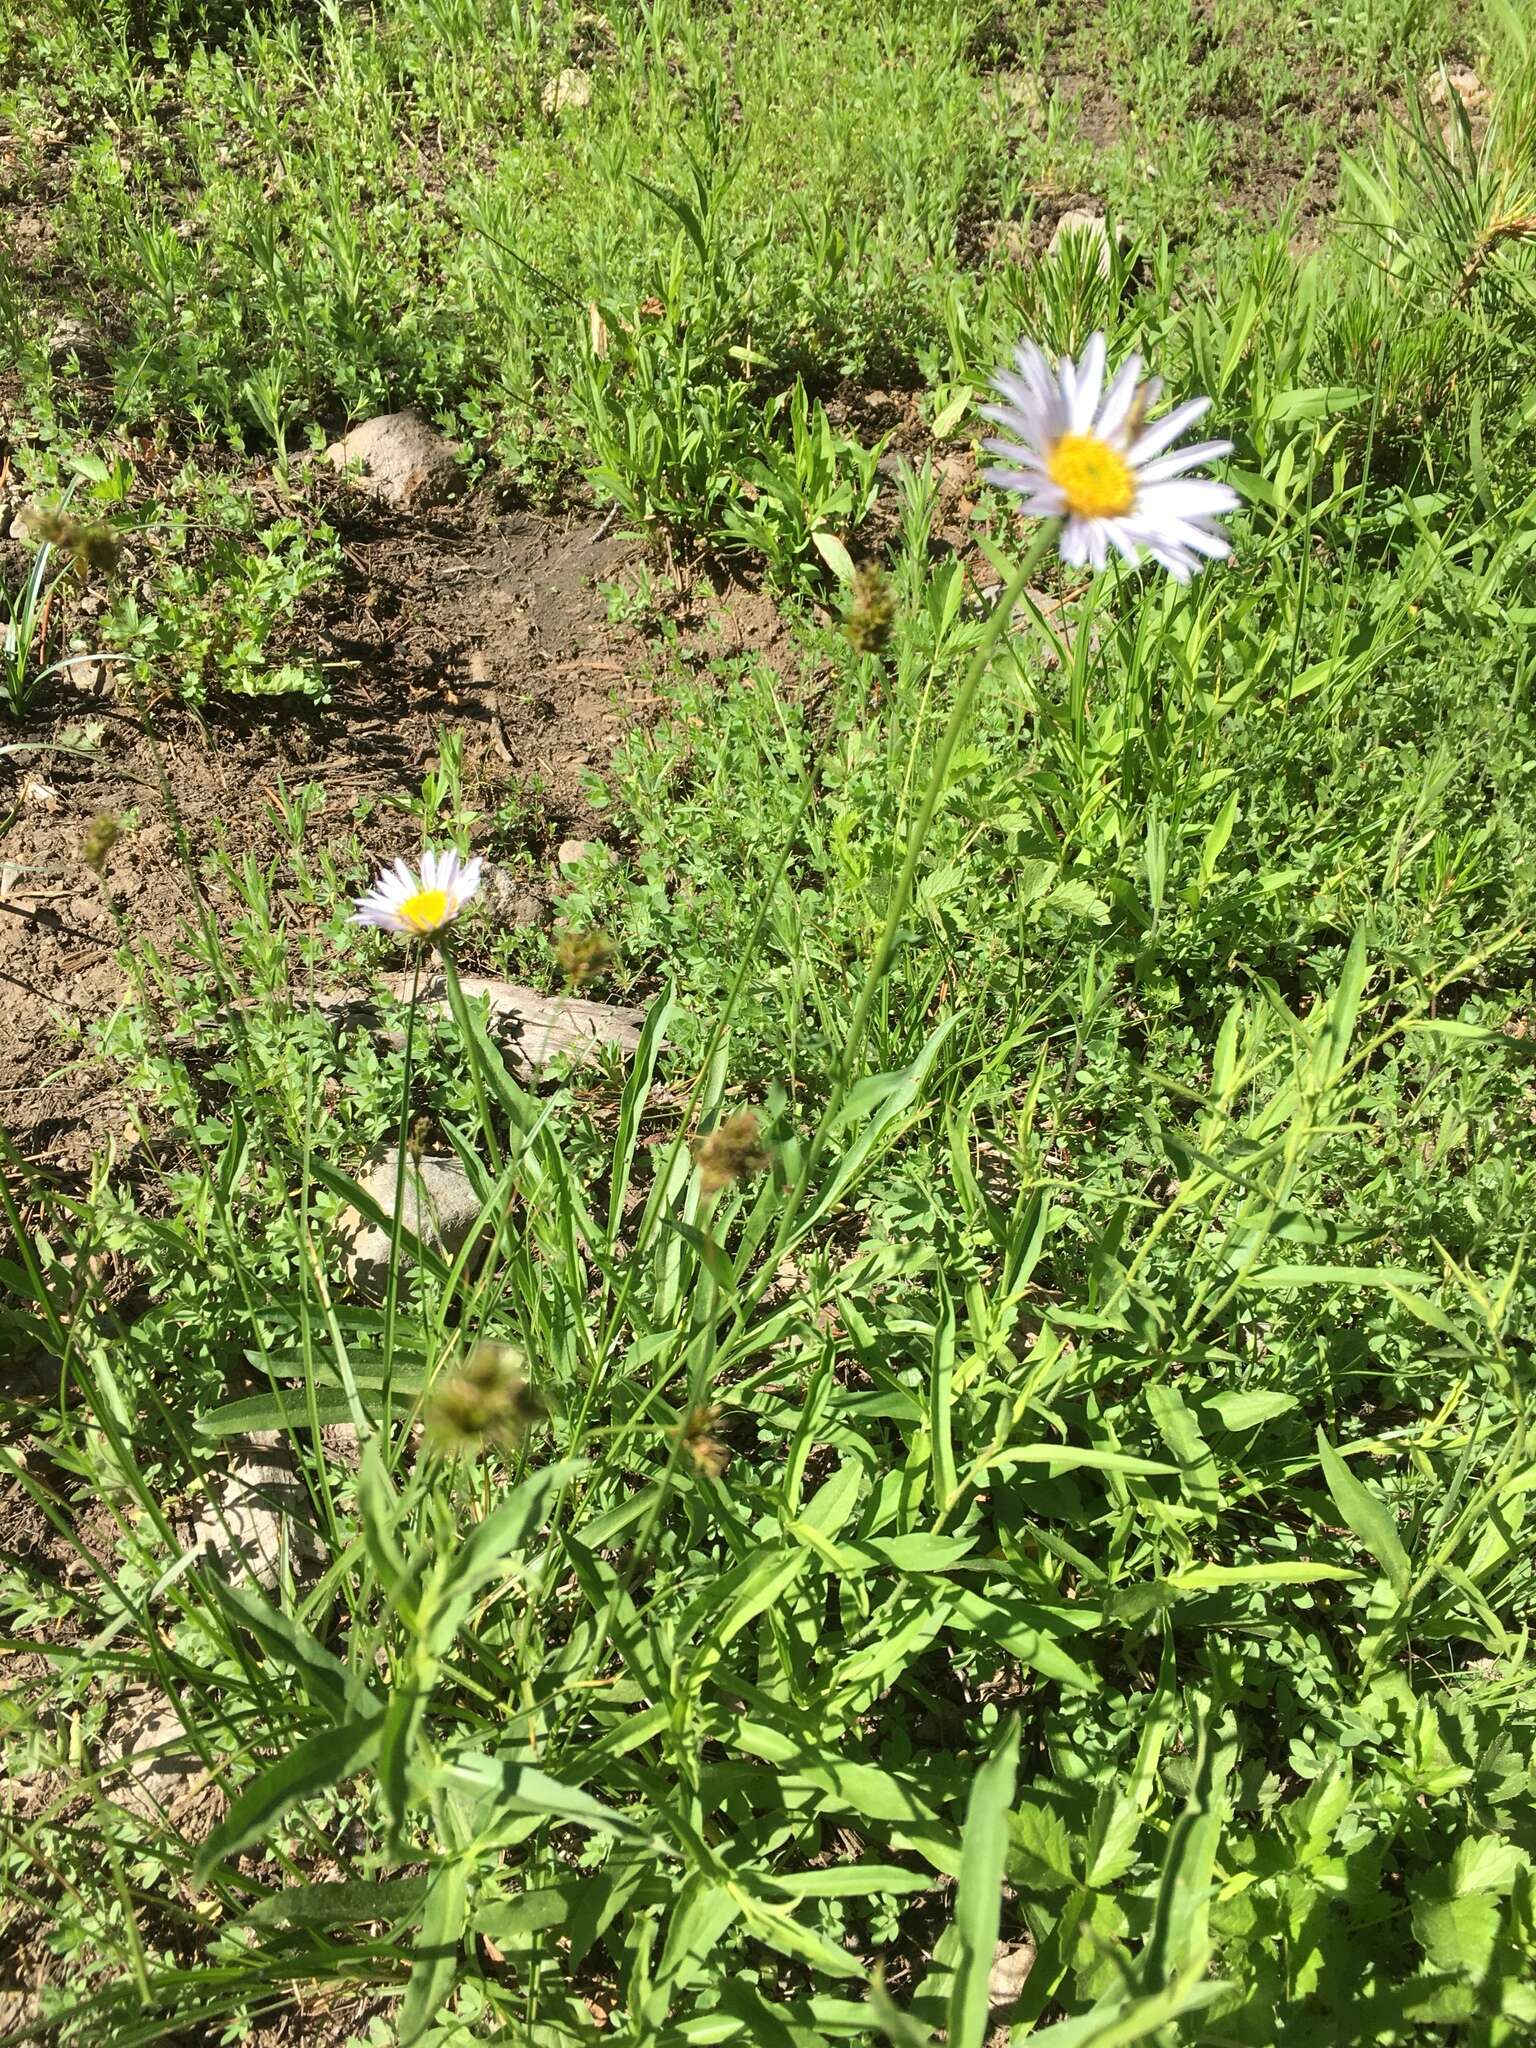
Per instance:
{"type": "Point", "coordinates": [439, 1952]}
{"type": "Point", "coordinates": [778, 1929]}
{"type": "Point", "coordinates": [1079, 1458]}
{"type": "Point", "coordinates": [978, 1901]}
{"type": "Point", "coordinates": [850, 1881]}
{"type": "Point", "coordinates": [326, 1681]}
{"type": "Point", "coordinates": [1204, 1578]}
{"type": "Point", "coordinates": [483, 1553]}
{"type": "Point", "coordinates": [396, 1900]}
{"type": "Point", "coordinates": [1179, 1430]}
{"type": "Point", "coordinates": [288, 1411]}
{"type": "Point", "coordinates": [1238, 1412]}
{"type": "Point", "coordinates": [525, 1789]}
{"type": "Point", "coordinates": [941, 1372]}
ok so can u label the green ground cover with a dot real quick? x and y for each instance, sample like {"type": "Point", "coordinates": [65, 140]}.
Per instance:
{"type": "Point", "coordinates": [1064, 1501]}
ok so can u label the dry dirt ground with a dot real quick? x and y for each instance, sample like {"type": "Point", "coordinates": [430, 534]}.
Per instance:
{"type": "Point", "coordinates": [467, 621]}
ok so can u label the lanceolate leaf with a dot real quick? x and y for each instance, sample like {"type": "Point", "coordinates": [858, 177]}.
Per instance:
{"type": "Point", "coordinates": [316, 1765]}
{"type": "Point", "coordinates": [978, 1902]}
{"type": "Point", "coordinates": [1369, 1517]}
{"type": "Point", "coordinates": [437, 1953]}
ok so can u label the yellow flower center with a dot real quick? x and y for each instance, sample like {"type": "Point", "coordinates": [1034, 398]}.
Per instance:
{"type": "Point", "coordinates": [1095, 479]}
{"type": "Point", "coordinates": [426, 910]}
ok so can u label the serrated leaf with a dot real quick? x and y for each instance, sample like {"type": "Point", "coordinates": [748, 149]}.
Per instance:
{"type": "Point", "coordinates": [1486, 1863]}
{"type": "Point", "coordinates": [1078, 900]}
{"type": "Point", "coordinates": [1459, 1933]}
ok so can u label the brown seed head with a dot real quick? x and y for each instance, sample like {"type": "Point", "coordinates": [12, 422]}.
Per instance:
{"type": "Point", "coordinates": [582, 956]}
{"type": "Point", "coordinates": [868, 624]}
{"type": "Point", "coordinates": [92, 547]}
{"type": "Point", "coordinates": [709, 1454]}
{"type": "Point", "coordinates": [98, 840]}
{"type": "Point", "coordinates": [731, 1152]}
{"type": "Point", "coordinates": [486, 1399]}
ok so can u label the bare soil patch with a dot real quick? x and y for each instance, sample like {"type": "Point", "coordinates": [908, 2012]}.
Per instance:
{"type": "Point", "coordinates": [489, 625]}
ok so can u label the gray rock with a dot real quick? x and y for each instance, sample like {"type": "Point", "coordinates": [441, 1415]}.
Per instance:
{"type": "Point", "coordinates": [530, 1029]}
{"type": "Point", "coordinates": [572, 852]}
{"type": "Point", "coordinates": [405, 462]}
{"type": "Point", "coordinates": [505, 901]}
{"type": "Point", "coordinates": [440, 1209]}
{"type": "Point", "coordinates": [72, 336]}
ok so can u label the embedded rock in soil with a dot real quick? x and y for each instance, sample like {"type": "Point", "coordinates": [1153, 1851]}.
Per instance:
{"type": "Point", "coordinates": [257, 1510]}
{"type": "Point", "coordinates": [1079, 221]}
{"type": "Point", "coordinates": [530, 1029]}
{"type": "Point", "coordinates": [570, 89]}
{"type": "Point", "coordinates": [1012, 1962]}
{"type": "Point", "coordinates": [165, 1779]}
{"type": "Point", "coordinates": [572, 852]}
{"type": "Point", "coordinates": [78, 338]}
{"type": "Point", "coordinates": [507, 902]}
{"type": "Point", "coordinates": [1461, 82]}
{"type": "Point", "coordinates": [440, 1210]}
{"type": "Point", "coordinates": [163, 1766]}
{"type": "Point", "coordinates": [405, 462]}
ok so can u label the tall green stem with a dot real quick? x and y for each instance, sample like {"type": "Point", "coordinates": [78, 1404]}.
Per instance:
{"type": "Point", "coordinates": [471, 1041]}
{"type": "Point", "coordinates": [901, 895]}
{"type": "Point", "coordinates": [402, 1161]}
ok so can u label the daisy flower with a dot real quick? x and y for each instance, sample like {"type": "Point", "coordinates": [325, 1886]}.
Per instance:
{"type": "Point", "coordinates": [400, 902]}
{"type": "Point", "coordinates": [1079, 450]}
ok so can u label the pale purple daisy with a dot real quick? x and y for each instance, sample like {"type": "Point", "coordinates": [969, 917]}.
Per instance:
{"type": "Point", "coordinates": [1077, 450]}
{"type": "Point", "coordinates": [400, 902]}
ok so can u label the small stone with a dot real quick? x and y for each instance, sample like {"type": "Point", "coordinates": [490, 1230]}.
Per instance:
{"type": "Point", "coordinates": [1464, 82]}
{"type": "Point", "coordinates": [1078, 221]}
{"type": "Point", "coordinates": [1012, 1962]}
{"type": "Point", "coordinates": [163, 1765]}
{"type": "Point", "coordinates": [572, 852]}
{"type": "Point", "coordinates": [256, 1508]}
{"type": "Point", "coordinates": [570, 89]}
{"type": "Point", "coordinates": [1010, 240]}
{"type": "Point", "coordinates": [73, 337]}
{"type": "Point", "coordinates": [440, 1209]}
{"type": "Point", "coordinates": [1461, 83]}
{"type": "Point", "coordinates": [405, 462]}
{"type": "Point", "coordinates": [508, 903]}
